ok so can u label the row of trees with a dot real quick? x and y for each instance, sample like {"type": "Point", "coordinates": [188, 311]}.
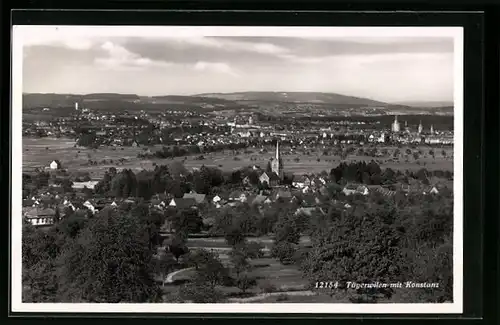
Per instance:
{"type": "Point", "coordinates": [372, 174]}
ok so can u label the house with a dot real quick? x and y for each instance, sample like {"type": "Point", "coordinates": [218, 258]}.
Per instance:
{"type": "Point", "coordinates": [355, 189]}
{"type": "Point", "coordinates": [199, 198]}
{"type": "Point", "coordinates": [309, 211]}
{"type": "Point", "coordinates": [274, 180]}
{"type": "Point", "coordinates": [382, 190]}
{"type": "Point", "coordinates": [55, 164]}
{"type": "Point", "coordinates": [246, 181]}
{"type": "Point", "coordinates": [302, 182]}
{"type": "Point", "coordinates": [306, 189]}
{"type": "Point", "coordinates": [82, 185]}
{"type": "Point", "coordinates": [29, 203]}
{"type": "Point", "coordinates": [157, 203]}
{"type": "Point", "coordinates": [216, 199]}
{"type": "Point", "coordinates": [238, 196]}
{"type": "Point", "coordinates": [316, 182]}
{"type": "Point", "coordinates": [101, 204]}
{"type": "Point", "coordinates": [91, 205]}
{"type": "Point", "coordinates": [285, 195]}
{"type": "Point", "coordinates": [430, 190]}
{"type": "Point", "coordinates": [40, 217]}
{"type": "Point", "coordinates": [183, 203]}
{"type": "Point", "coordinates": [67, 203]}
{"type": "Point", "coordinates": [264, 178]}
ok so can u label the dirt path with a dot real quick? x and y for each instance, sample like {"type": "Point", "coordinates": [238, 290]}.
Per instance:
{"type": "Point", "coordinates": [169, 278]}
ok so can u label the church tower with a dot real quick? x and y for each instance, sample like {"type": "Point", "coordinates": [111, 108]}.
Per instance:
{"type": "Point", "coordinates": [276, 166]}
{"type": "Point", "coordinates": [432, 129]}
{"type": "Point", "coordinates": [395, 125]}
{"type": "Point", "coordinates": [420, 127]}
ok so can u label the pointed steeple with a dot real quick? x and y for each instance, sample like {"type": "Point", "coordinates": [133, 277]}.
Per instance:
{"type": "Point", "coordinates": [277, 150]}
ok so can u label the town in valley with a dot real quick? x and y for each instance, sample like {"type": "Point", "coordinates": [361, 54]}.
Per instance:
{"type": "Point", "coordinates": [239, 197]}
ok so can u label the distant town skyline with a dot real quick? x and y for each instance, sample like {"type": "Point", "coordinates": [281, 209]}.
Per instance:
{"type": "Point", "coordinates": [388, 69]}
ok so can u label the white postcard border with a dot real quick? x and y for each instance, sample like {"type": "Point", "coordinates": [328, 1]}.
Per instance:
{"type": "Point", "coordinates": [22, 33]}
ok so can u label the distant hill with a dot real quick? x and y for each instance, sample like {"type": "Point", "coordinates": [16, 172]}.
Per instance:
{"type": "Point", "coordinates": [427, 104]}
{"type": "Point", "coordinates": [270, 103]}
{"type": "Point", "coordinates": [296, 97]}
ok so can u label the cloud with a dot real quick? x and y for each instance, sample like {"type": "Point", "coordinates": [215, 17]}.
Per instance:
{"type": "Point", "coordinates": [218, 67]}
{"type": "Point", "coordinates": [74, 43]}
{"type": "Point", "coordinates": [232, 45]}
{"type": "Point", "coordinates": [118, 57]}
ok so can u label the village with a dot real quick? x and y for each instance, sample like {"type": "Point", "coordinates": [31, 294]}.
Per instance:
{"type": "Point", "coordinates": [258, 188]}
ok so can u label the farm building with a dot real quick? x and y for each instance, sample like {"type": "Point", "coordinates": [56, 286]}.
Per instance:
{"type": "Point", "coordinates": [55, 164]}
{"type": "Point", "coordinates": [183, 203]}
{"type": "Point", "coordinates": [199, 198]}
{"type": "Point", "coordinates": [40, 217]}
{"type": "Point", "coordinates": [355, 189]}
{"type": "Point", "coordinates": [82, 185]}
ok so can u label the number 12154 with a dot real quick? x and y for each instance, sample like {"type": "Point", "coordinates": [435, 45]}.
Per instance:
{"type": "Point", "coordinates": [326, 285]}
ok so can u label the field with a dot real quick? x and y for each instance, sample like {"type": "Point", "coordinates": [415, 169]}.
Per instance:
{"type": "Point", "coordinates": [40, 152]}
{"type": "Point", "coordinates": [283, 279]}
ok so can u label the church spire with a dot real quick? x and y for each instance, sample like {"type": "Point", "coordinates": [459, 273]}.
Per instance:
{"type": "Point", "coordinates": [277, 150]}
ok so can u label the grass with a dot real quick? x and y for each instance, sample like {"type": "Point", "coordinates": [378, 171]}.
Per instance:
{"type": "Point", "coordinates": [35, 154]}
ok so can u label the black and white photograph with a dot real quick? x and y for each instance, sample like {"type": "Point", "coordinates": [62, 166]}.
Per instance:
{"type": "Point", "coordinates": [209, 169]}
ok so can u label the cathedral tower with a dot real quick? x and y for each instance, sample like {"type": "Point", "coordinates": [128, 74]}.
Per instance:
{"type": "Point", "coordinates": [420, 127]}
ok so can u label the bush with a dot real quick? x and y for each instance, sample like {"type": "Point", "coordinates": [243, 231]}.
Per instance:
{"type": "Point", "coordinates": [284, 252]}
{"type": "Point", "coordinates": [254, 250]}
{"type": "Point", "coordinates": [199, 292]}
{"type": "Point", "coordinates": [268, 287]}
{"type": "Point", "coordinates": [282, 297]}
{"type": "Point", "coordinates": [245, 282]}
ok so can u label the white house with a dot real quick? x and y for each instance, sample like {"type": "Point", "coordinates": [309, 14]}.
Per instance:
{"type": "Point", "coordinates": [55, 164]}
{"type": "Point", "coordinates": [90, 205]}
{"type": "Point", "coordinates": [355, 189]}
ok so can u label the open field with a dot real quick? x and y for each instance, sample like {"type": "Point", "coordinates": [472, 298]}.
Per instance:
{"type": "Point", "coordinates": [267, 270]}
{"type": "Point", "coordinates": [40, 152]}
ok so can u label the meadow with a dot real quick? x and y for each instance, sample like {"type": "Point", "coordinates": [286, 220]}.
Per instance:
{"type": "Point", "coordinates": [273, 278]}
{"type": "Point", "coordinates": [39, 152]}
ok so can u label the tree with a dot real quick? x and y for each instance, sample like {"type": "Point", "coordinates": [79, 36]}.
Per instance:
{"type": "Point", "coordinates": [163, 264]}
{"type": "Point", "coordinates": [39, 253]}
{"type": "Point", "coordinates": [72, 224]}
{"type": "Point", "coordinates": [284, 252]}
{"type": "Point", "coordinates": [245, 282]}
{"type": "Point", "coordinates": [186, 221]}
{"type": "Point", "coordinates": [287, 228]}
{"type": "Point", "coordinates": [176, 245]}
{"type": "Point", "coordinates": [209, 267]}
{"type": "Point", "coordinates": [109, 261]}
{"type": "Point", "coordinates": [361, 245]}
{"type": "Point", "coordinates": [177, 169]}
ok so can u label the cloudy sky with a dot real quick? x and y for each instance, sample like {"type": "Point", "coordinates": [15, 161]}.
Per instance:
{"type": "Point", "coordinates": [383, 68]}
